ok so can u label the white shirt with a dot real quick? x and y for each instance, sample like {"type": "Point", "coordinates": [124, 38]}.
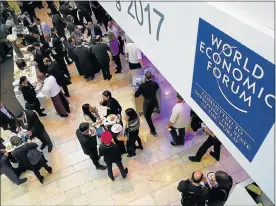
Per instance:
{"type": "Point", "coordinates": [180, 115]}
{"type": "Point", "coordinates": [50, 87]}
{"type": "Point", "coordinates": [134, 54]}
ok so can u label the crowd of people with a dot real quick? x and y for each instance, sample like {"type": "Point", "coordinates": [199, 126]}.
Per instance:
{"type": "Point", "coordinates": [75, 39]}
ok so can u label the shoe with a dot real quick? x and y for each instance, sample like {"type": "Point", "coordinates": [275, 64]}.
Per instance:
{"type": "Point", "coordinates": [110, 77]}
{"type": "Point", "coordinates": [118, 71]}
{"type": "Point", "coordinates": [131, 155]}
{"type": "Point", "coordinates": [42, 114]}
{"type": "Point", "coordinates": [64, 115]}
{"type": "Point", "coordinates": [50, 148]}
{"type": "Point", "coordinates": [193, 159]}
{"type": "Point", "coordinates": [112, 178]}
{"type": "Point", "coordinates": [41, 179]}
{"type": "Point", "coordinates": [153, 133]}
{"type": "Point", "coordinates": [42, 146]}
{"type": "Point", "coordinates": [50, 170]}
{"type": "Point", "coordinates": [173, 144]}
{"type": "Point", "coordinates": [126, 171]}
{"type": "Point", "coordinates": [70, 62]}
{"type": "Point", "coordinates": [101, 167]}
{"type": "Point", "coordinates": [141, 148]}
{"type": "Point", "coordinates": [42, 109]}
{"type": "Point", "coordinates": [21, 181]}
{"type": "Point", "coordinates": [213, 155]}
{"type": "Point", "coordinates": [91, 78]}
{"type": "Point", "coordinates": [105, 78]}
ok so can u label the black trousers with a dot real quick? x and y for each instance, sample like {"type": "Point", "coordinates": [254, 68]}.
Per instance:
{"type": "Point", "coordinates": [117, 61]}
{"type": "Point", "coordinates": [95, 159]}
{"type": "Point", "coordinates": [178, 137]}
{"type": "Point", "coordinates": [132, 138]}
{"type": "Point", "coordinates": [211, 141]}
{"type": "Point", "coordinates": [63, 66]}
{"type": "Point", "coordinates": [105, 70]}
{"type": "Point", "coordinates": [121, 45]}
{"type": "Point", "coordinates": [119, 165]}
{"type": "Point", "coordinates": [148, 107]}
{"type": "Point", "coordinates": [86, 15]}
{"type": "Point", "coordinates": [44, 138]}
{"type": "Point", "coordinates": [66, 91]}
{"type": "Point", "coordinates": [42, 163]}
{"type": "Point", "coordinates": [134, 65]}
{"type": "Point", "coordinates": [10, 172]}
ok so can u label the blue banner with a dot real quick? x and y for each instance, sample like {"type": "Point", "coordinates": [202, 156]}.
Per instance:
{"type": "Point", "coordinates": [235, 87]}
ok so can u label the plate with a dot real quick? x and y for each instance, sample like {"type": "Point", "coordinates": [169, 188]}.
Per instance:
{"type": "Point", "coordinates": [116, 128]}
{"type": "Point", "coordinates": [92, 131]}
{"type": "Point", "coordinates": [112, 118]}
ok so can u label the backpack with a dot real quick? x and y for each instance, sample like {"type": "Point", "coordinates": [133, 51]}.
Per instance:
{"type": "Point", "coordinates": [34, 156]}
{"type": "Point", "coordinates": [189, 198]}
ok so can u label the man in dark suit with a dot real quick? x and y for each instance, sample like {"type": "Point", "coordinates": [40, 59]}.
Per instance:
{"type": "Point", "coordinates": [86, 60]}
{"type": "Point", "coordinates": [27, 39]}
{"type": "Point", "coordinates": [38, 58]}
{"type": "Point", "coordinates": [60, 52]}
{"type": "Point", "coordinates": [54, 70]}
{"type": "Point", "coordinates": [7, 119]}
{"type": "Point", "coordinates": [28, 21]}
{"type": "Point", "coordinates": [93, 30]}
{"type": "Point", "coordinates": [29, 120]}
{"type": "Point", "coordinates": [89, 144]}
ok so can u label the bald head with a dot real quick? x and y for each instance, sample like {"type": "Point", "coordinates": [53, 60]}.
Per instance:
{"type": "Point", "coordinates": [41, 76]}
{"type": "Point", "coordinates": [197, 176]}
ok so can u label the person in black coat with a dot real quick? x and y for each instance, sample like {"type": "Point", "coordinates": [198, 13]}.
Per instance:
{"type": "Point", "coordinates": [27, 39]}
{"type": "Point", "coordinates": [60, 52]}
{"type": "Point", "coordinates": [7, 119]}
{"type": "Point", "coordinates": [29, 95]}
{"type": "Point", "coordinates": [111, 155]}
{"type": "Point", "coordinates": [8, 170]}
{"type": "Point", "coordinates": [100, 49]}
{"type": "Point", "coordinates": [64, 9]}
{"type": "Point", "coordinates": [86, 61]}
{"type": "Point", "coordinates": [43, 48]}
{"type": "Point", "coordinates": [28, 21]}
{"type": "Point", "coordinates": [59, 24]}
{"type": "Point", "coordinates": [30, 8]}
{"type": "Point", "coordinates": [29, 120]}
{"type": "Point", "coordinates": [89, 144]}
{"type": "Point", "coordinates": [93, 30]}
{"type": "Point", "coordinates": [84, 11]}
{"type": "Point", "coordinates": [38, 58]}
{"type": "Point", "coordinates": [54, 70]}
{"type": "Point", "coordinates": [113, 106]}
{"type": "Point", "coordinates": [21, 155]}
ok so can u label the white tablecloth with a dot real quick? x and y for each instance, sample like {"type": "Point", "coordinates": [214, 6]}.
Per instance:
{"type": "Point", "coordinates": [32, 79]}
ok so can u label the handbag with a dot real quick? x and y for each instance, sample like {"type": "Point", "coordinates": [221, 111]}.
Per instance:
{"type": "Point", "coordinates": [34, 156]}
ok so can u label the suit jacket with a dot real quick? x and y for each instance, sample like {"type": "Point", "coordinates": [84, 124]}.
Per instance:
{"type": "Point", "coordinates": [55, 71]}
{"type": "Point", "coordinates": [27, 24]}
{"type": "Point", "coordinates": [20, 155]}
{"type": "Point", "coordinates": [38, 57]}
{"type": "Point", "coordinates": [64, 10]}
{"type": "Point", "coordinates": [97, 31]}
{"type": "Point", "coordinates": [33, 123]}
{"type": "Point", "coordinates": [5, 120]}
{"type": "Point", "coordinates": [88, 143]}
{"type": "Point", "coordinates": [29, 39]}
{"type": "Point", "coordinates": [57, 44]}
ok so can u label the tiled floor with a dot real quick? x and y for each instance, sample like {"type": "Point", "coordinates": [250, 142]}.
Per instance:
{"type": "Point", "coordinates": [153, 173]}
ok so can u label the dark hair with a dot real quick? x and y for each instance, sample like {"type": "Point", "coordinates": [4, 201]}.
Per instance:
{"type": "Point", "coordinates": [15, 140]}
{"type": "Point", "coordinates": [197, 180]}
{"type": "Point", "coordinates": [86, 111]}
{"type": "Point", "coordinates": [131, 113]}
{"type": "Point", "coordinates": [36, 44]}
{"type": "Point", "coordinates": [78, 41]}
{"type": "Point", "coordinates": [20, 63]}
{"type": "Point", "coordinates": [21, 80]}
{"type": "Point", "coordinates": [84, 126]}
{"type": "Point", "coordinates": [224, 180]}
{"type": "Point", "coordinates": [148, 75]}
{"type": "Point", "coordinates": [179, 97]}
{"type": "Point", "coordinates": [30, 48]}
{"type": "Point", "coordinates": [37, 19]}
{"type": "Point", "coordinates": [20, 35]}
{"type": "Point", "coordinates": [70, 39]}
{"type": "Point", "coordinates": [107, 93]}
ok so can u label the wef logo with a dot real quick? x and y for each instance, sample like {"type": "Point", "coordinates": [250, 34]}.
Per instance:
{"type": "Point", "coordinates": [235, 88]}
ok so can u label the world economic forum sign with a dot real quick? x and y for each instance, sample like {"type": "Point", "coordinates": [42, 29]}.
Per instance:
{"type": "Point", "coordinates": [235, 87]}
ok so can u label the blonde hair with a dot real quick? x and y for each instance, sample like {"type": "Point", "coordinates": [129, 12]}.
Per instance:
{"type": "Point", "coordinates": [111, 36]}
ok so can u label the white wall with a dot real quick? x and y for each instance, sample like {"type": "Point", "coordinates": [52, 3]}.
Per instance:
{"type": "Point", "coordinates": [174, 56]}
